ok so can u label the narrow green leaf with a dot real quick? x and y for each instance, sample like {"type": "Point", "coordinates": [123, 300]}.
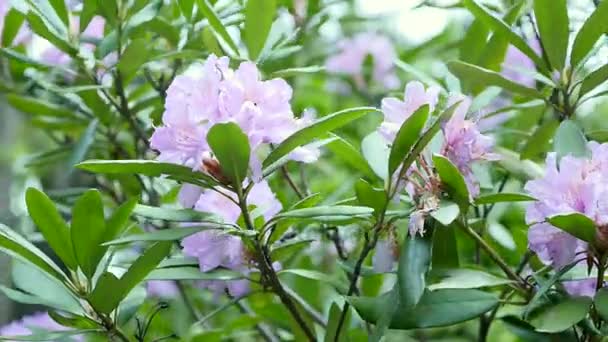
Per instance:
{"type": "Point", "coordinates": [193, 273]}
{"type": "Point", "coordinates": [134, 56]}
{"type": "Point", "coordinates": [89, 9]}
{"type": "Point", "coordinates": [332, 324]}
{"type": "Point", "coordinates": [231, 148]}
{"type": "Point", "coordinates": [345, 151]}
{"type": "Point", "coordinates": [552, 22]}
{"type": "Point", "coordinates": [83, 144]}
{"type": "Point", "coordinates": [109, 10]}
{"type": "Point", "coordinates": [499, 26]}
{"type": "Point", "coordinates": [88, 229]}
{"type": "Point", "coordinates": [575, 224]}
{"type": "Point", "coordinates": [539, 141]}
{"type": "Point", "coordinates": [37, 107]}
{"type": "Point", "coordinates": [62, 11]}
{"type": "Point", "coordinates": [326, 278]}
{"type": "Point", "coordinates": [376, 153]}
{"type": "Point", "coordinates": [594, 27]}
{"type": "Point", "coordinates": [406, 137]}
{"type": "Point", "coordinates": [13, 21]}
{"type": "Point", "coordinates": [435, 309]}
{"type": "Point", "coordinates": [445, 248]}
{"type": "Point", "coordinates": [315, 130]}
{"type": "Point", "coordinates": [259, 15]}
{"type": "Point", "coordinates": [467, 279]}
{"type": "Point", "coordinates": [118, 222]}
{"type": "Point", "coordinates": [207, 10]}
{"type": "Point", "coordinates": [570, 140]}
{"type": "Point", "coordinates": [414, 263]}
{"type": "Point", "coordinates": [371, 197]}
{"type": "Point", "coordinates": [561, 316]}
{"type": "Point", "coordinates": [453, 181]}
{"type": "Point", "coordinates": [18, 247]}
{"type": "Point", "coordinates": [594, 79]}
{"type": "Point", "coordinates": [177, 215]}
{"type": "Point", "coordinates": [170, 234]}
{"type": "Point", "coordinates": [186, 6]}
{"type": "Point", "coordinates": [545, 287]}
{"type": "Point", "coordinates": [478, 75]}
{"type": "Point", "coordinates": [313, 69]}
{"type": "Point", "coordinates": [58, 39]}
{"type": "Point", "coordinates": [503, 197]}
{"type": "Point", "coordinates": [330, 211]}
{"type": "Point", "coordinates": [52, 226]}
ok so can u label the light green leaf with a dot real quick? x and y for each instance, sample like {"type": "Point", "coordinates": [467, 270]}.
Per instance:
{"type": "Point", "coordinates": [88, 230]}
{"type": "Point", "coordinates": [414, 263]}
{"type": "Point", "coordinates": [570, 140]}
{"type": "Point", "coordinates": [343, 150]}
{"type": "Point", "coordinates": [207, 10]}
{"type": "Point", "coordinates": [134, 56]}
{"type": "Point", "coordinates": [170, 234]}
{"type": "Point", "coordinates": [52, 226]}
{"type": "Point", "coordinates": [330, 212]}
{"type": "Point", "coordinates": [231, 148]}
{"type": "Point", "coordinates": [503, 197]}
{"type": "Point", "coordinates": [89, 9]}
{"type": "Point", "coordinates": [83, 144]}
{"type": "Point", "coordinates": [376, 152]}
{"type": "Point", "coordinates": [313, 69]}
{"type": "Point", "coordinates": [594, 27]}
{"type": "Point", "coordinates": [315, 130]}
{"type": "Point", "coordinates": [467, 279]}
{"type": "Point", "coordinates": [371, 197]}
{"type": "Point", "coordinates": [259, 15]}
{"type": "Point", "coordinates": [177, 215]}
{"type": "Point", "coordinates": [193, 273]}
{"type": "Point", "coordinates": [18, 247]}
{"type": "Point", "coordinates": [539, 141]}
{"type": "Point", "coordinates": [552, 22]}
{"type": "Point", "coordinates": [37, 107]}
{"type": "Point", "coordinates": [601, 302]}
{"type": "Point", "coordinates": [406, 137]}
{"type": "Point", "coordinates": [186, 6]}
{"type": "Point", "coordinates": [435, 309]}
{"type": "Point", "coordinates": [13, 21]}
{"type": "Point", "coordinates": [575, 224]}
{"type": "Point", "coordinates": [446, 213]}
{"type": "Point", "coordinates": [62, 11]}
{"type": "Point", "coordinates": [453, 181]}
{"type": "Point", "coordinates": [558, 317]}
{"type": "Point", "coordinates": [594, 79]}
{"type": "Point", "coordinates": [478, 75]}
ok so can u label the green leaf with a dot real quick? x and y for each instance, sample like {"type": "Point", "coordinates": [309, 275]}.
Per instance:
{"type": "Point", "coordinates": [480, 76]}
{"type": "Point", "coordinates": [594, 79]}
{"type": "Point", "coordinates": [499, 26]}
{"type": "Point", "coordinates": [552, 22]}
{"type": "Point", "coordinates": [37, 107]}
{"type": "Point", "coordinates": [376, 153]}
{"type": "Point", "coordinates": [108, 9]}
{"type": "Point", "coordinates": [176, 215]}
{"type": "Point", "coordinates": [134, 56]}
{"type": "Point", "coordinates": [193, 273]}
{"type": "Point", "coordinates": [150, 168]}
{"type": "Point", "coordinates": [335, 312]}
{"type": "Point", "coordinates": [326, 278]}
{"type": "Point", "coordinates": [89, 9]}
{"type": "Point", "coordinates": [538, 142]}
{"type": "Point", "coordinates": [570, 140]}
{"type": "Point", "coordinates": [170, 234]}
{"type": "Point", "coordinates": [575, 224]}
{"type": "Point", "coordinates": [445, 248]}
{"type": "Point", "coordinates": [44, 30]}
{"type": "Point", "coordinates": [601, 302]}
{"type": "Point", "coordinates": [453, 181]}
{"type": "Point", "coordinates": [446, 213]}
{"type": "Point", "coordinates": [18, 247]}
{"type": "Point", "coordinates": [345, 151]}
{"type": "Point", "coordinates": [258, 21]}
{"type": "Point", "coordinates": [83, 144]}
{"type": "Point", "coordinates": [284, 73]}
{"type": "Point", "coordinates": [88, 230]}
{"type": "Point", "coordinates": [406, 137]}
{"type": "Point", "coordinates": [110, 291]}
{"type": "Point", "coordinates": [62, 11]}
{"type": "Point", "coordinates": [231, 148]}
{"type": "Point", "coordinates": [545, 287]}
{"type": "Point", "coordinates": [118, 222]}
{"type": "Point", "coordinates": [503, 197]}
{"type": "Point", "coordinates": [467, 279]}
{"type": "Point", "coordinates": [48, 336]}
{"type": "Point", "coordinates": [594, 27]}
{"type": "Point", "coordinates": [315, 130]}
{"type": "Point", "coordinates": [561, 316]}
{"type": "Point", "coordinates": [186, 6]}
{"type": "Point", "coordinates": [207, 10]}
{"type": "Point", "coordinates": [414, 263]}
{"type": "Point", "coordinates": [371, 197]}
{"type": "Point", "coordinates": [436, 308]}
{"type": "Point", "coordinates": [328, 213]}
{"type": "Point", "coordinates": [52, 226]}
{"type": "Point", "coordinates": [13, 21]}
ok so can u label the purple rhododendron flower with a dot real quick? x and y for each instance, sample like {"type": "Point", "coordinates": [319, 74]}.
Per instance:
{"type": "Point", "coordinates": [216, 249]}
{"type": "Point", "coordinates": [384, 256]}
{"type": "Point", "coordinates": [162, 288]}
{"type": "Point", "coordinates": [212, 93]}
{"type": "Point", "coordinates": [574, 185]}
{"type": "Point", "coordinates": [516, 64]}
{"type": "Point", "coordinates": [581, 288]}
{"type": "Point", "coordinates": [397, 111]}
{"type": "Point", "coordinates": [30, 324]}
{"type": "Point", "coordinates": [464, 144]}
{"type": "Point", "coordinates": [353, 53]}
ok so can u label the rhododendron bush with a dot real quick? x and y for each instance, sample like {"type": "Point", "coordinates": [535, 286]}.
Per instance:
{"type": "Point", "coordinates": [201, 170]}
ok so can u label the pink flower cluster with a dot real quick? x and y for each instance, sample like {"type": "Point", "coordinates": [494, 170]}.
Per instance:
{"type": "Point", "coordinates": [353, 52]}
{"type": "Point", "coordinates": [31, 324]}
{"type": "Point", "coordinates": [572, 185]}
{"type": "Point", "coordinates": [212, 93]}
